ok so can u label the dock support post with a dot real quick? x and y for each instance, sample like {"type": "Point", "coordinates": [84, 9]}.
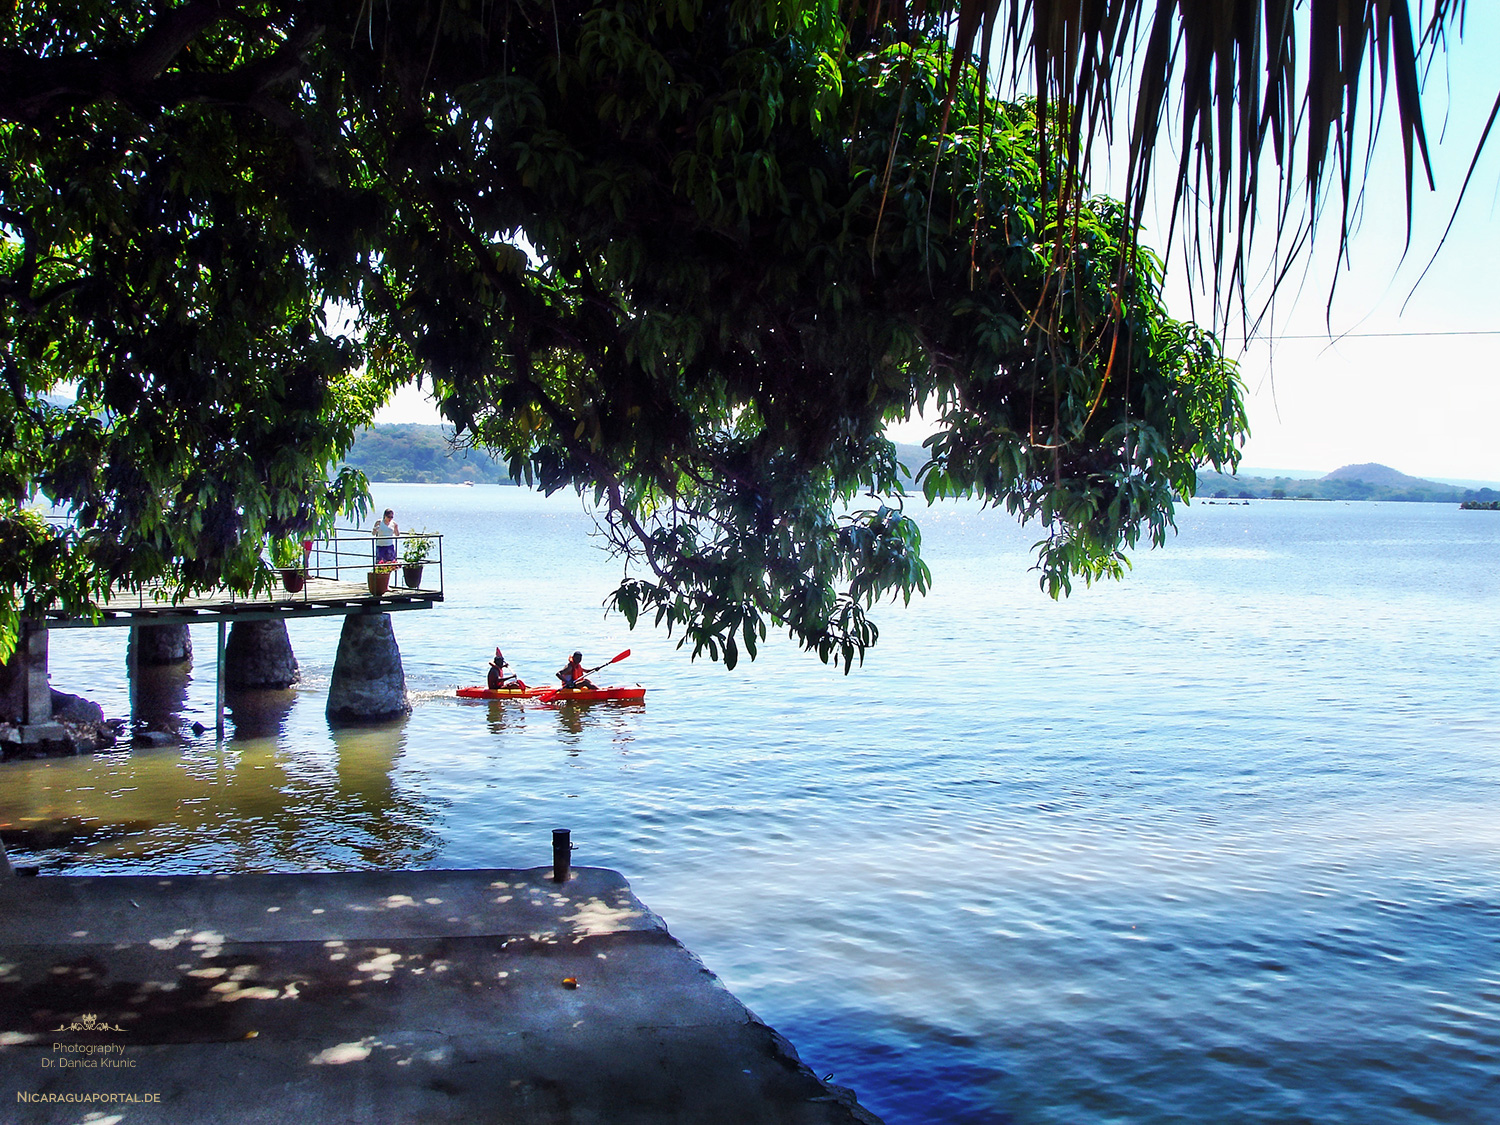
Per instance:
{"type": "Point", "coordinates": [153, 646]}
{"type": "Point", "coordinates": [36, 697]}
{"type": "Point", "coordinates": [368, 683]}
{"type": "Point", "coordinates": [562, 854]}
{"type": "Point", "coordinates": [34, 693]}
{"type": "Point", "coordinates": [259, 657]}
{"type": "Point", "coordinates": [133, 673]}
{"type": "Point", "coordinates": [219, 683]}
{"type": "Point", "coordinates": [5, 868]}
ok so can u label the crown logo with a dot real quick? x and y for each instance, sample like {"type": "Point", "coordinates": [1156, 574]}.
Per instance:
{"type": "Point", "coordinates": [87, 1022]}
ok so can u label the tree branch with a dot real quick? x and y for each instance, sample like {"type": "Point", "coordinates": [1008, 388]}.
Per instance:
{"type": "Point", "coordinates": [34, 87]}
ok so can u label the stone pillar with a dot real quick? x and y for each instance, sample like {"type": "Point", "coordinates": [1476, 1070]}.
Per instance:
{"type": "Point", "coordinates": [369, 683]}
{"type": "Point", "coordinates": [30, 693]}
{"type": "Point", "coordinates": [30, 709]}
{"type": "Point", "coordinates": [36, 692]}
{"type": "Point", "coordinates": [259, 655]}
{"type": "Point", "coordinates": [25, 695]}
{"type": "Point", "coordinates": [152, 645]}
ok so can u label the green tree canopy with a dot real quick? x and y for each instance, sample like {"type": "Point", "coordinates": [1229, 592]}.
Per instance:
{"type": "Point", "coordinates": [693, 257]}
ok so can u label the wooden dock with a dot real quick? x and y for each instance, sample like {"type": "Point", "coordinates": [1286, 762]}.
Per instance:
{"type": "Point", "coordinates": [319, 597]}
{"type": "Point", "coordinates": [334, 579]}
{"type": "Point", "coordinates": [333, 583]}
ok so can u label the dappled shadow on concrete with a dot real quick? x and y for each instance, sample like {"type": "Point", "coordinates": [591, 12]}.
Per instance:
{"type": "Point", "coordinates": [420, 996]}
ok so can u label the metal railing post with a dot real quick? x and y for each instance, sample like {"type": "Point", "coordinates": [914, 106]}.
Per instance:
{"type": "Point", "coordinates": [219, 684]}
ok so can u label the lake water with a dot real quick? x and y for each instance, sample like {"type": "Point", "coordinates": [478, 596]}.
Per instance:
{"type": "Point", "coordinates": [1220, 842]}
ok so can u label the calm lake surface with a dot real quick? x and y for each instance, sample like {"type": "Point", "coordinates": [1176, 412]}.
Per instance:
{"type": "Point", "coordinates": [1220, 842]}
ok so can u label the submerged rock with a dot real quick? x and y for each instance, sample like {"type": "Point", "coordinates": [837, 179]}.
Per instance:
{"type": "Point", "coordinates": [75, 708]}
{"type": "Point", "coordinates": [78, 726]}
{"type": "Point", "coordinates": [69, 738]}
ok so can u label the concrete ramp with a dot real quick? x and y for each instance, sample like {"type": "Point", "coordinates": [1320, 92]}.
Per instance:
{"type": "Point", "coordinates": [377, 996]}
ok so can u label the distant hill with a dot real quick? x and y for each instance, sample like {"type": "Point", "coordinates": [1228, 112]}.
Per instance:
{"type": "Point", "coordinates": [1382, 475]}
{"type": "Point", "coordinates": [417, 454]}
{"type": "Point", "coordinates": [409, 453]}
{"type": "Point", "coordinates": [912, 456]}
{"type": "Point", "coordinates": [1352, 482]}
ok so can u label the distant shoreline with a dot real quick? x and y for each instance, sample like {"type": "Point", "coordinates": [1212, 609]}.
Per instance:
{"type": "Point", "coordinates": [413, 453]}
{"type": "Point", "coordinates": [1352, 482]}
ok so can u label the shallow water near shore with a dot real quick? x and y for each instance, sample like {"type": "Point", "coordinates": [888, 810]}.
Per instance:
{"type": "Point", "coordinates": [1218, 842]}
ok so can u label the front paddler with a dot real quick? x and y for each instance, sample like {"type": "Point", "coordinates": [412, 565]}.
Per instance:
{"type": "Point", "coordinates": [500, 677]}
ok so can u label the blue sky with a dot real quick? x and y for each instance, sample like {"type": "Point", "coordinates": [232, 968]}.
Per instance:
{"type": "Point", "coordinates": [1425, 404]}
{"type": "Point", "coordinates": [1428, 405]}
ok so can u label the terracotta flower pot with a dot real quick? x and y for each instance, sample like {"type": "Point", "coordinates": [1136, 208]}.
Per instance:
{"type": "Point", "coordinates": [292, 579]}
{"type": "Point", "coordinates": [379, 582]}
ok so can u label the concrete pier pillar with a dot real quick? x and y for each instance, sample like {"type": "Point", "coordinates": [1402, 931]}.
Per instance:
{"type": "Point", "coordinates": [25, 694]}
{"type": "Point", "coordinates": [258, 655]}
{"type": "Point", "coordinates": [36, 692]}
{"type": "Point", "coordinates": [36, 720]}
{"type": "Point", "coordinates": [369, 683]}
{"type": "Point", "coordinates": [153, 645]}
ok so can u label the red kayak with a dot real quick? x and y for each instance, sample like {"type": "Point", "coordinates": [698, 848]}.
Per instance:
{"type": "Point", "coordinates": [636, 694]}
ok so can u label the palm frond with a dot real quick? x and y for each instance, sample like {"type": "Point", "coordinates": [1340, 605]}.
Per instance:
{"type": "Point", "coordinates": [1252, 84]}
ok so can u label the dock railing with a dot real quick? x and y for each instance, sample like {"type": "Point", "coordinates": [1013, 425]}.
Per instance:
{"type": "Point", "coordinates": [332, 569]}
{"type": "Point", "coordinates": [347, 557]}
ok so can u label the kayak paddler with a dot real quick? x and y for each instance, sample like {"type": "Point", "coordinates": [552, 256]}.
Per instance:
{"type": "Point", "coordinates": [574, 675]}
{"type": "Point", "coordinates": [500, 677]}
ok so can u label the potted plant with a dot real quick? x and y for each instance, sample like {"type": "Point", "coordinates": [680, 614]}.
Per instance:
{"type": "Point", "coordinates": [286, 556]}
{"type": "Point", "coordinates": [379, 578]}
{"type": "Point", "coordinates": [414, 548]}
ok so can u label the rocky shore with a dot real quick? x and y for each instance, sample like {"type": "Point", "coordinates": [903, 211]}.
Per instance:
{"type": "Point", "coordinates": [84, 730]}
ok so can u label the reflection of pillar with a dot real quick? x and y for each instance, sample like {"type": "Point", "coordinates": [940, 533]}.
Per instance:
{"type": "Point", "coordinates": [259, 714]}
{"type": "Point", "coordinates": [259, 655]}
{"type": "Point", "coordinates": [383, 828]}
{"type": "Point", "coordinates": [151, 645]}
{"type": "Point", "coordinates": [160, 693]}
{"type": "Point", "coordinates": [366, 761]}
{"type": "Point", "coordinates": [368, 684]}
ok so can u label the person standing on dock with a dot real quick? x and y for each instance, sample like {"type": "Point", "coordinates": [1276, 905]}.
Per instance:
{"type": "Point", "coordinates": [386, 529]}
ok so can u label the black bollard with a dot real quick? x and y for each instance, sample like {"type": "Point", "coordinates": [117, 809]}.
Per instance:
{"type": "Point", "coordinates": [562, 854]}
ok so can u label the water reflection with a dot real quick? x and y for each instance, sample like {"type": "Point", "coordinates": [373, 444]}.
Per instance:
{"type": "Point", "coordinates": [259, 713]}
{"type": "Point", "coordinates": [366, 758]}
{"type": "Point", "coordinates": [573, 719]}
{"type": "Point", "coordinates": [255, 803]}
{"type": "Point", "coordinates": [384, 824]}
{"type": "Point", "coordinates": [504, 715]}
{"type": "Point", "coordinates": [159, 695]}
